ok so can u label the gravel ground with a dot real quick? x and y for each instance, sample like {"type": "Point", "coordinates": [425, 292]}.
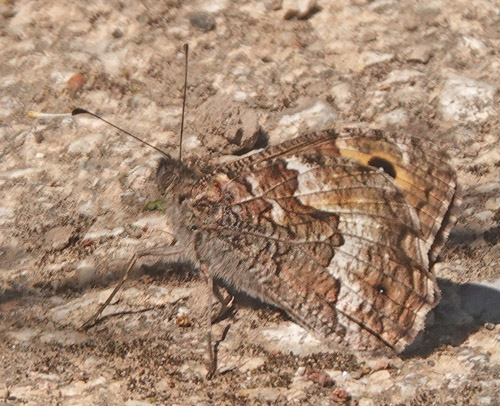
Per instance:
{"type": "Point", "coordinates": [73, 193]}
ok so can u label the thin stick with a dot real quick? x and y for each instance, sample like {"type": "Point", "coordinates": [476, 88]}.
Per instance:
{"type": "Point", "coordinates": [186, 49]}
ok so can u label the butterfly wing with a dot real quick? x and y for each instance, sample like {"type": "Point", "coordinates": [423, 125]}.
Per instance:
{"type": "Point", "coordinates": [331, 241]}
{"type": "Point", "coordinates": [421, 172]}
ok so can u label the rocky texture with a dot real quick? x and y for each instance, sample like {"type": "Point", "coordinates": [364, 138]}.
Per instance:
{"type": "Point", "coordinates": [73, 193]}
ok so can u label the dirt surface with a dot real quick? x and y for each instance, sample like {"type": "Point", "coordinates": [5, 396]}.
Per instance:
{"type": "Point", "coordinates": [73, 193]}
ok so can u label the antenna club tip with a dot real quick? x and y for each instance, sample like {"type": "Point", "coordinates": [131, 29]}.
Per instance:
{"type": "Point", "coordinates": [38, 114]}
{"type": "Point", "coordinates": [33, 114]}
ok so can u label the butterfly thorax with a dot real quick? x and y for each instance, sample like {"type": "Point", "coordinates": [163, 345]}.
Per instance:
{"type": "Point", "coordinates": [175, 181]}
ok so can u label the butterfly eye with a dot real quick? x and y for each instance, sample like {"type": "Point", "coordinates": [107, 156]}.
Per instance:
{"type": "Point", "coordinates": [383, 164]}
{"type": "Point", "coordinates": [183, 197]}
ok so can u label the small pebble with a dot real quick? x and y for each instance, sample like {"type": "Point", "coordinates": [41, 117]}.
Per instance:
{"type": "Point", "coordinates": [183, 321]}
{"type": "Point", "coordinates": [202, 20]}
{"type": "Point", "coordinates": [59, 238]}
{"type": "Point", "coordinates": [75, 83]}
{"type": "Point", "coordinates": [321, 378]}
{"type": "Point", "coordinates": [419, 54]}
{"type": "Point", "coordinates": [300, 371]}
{"type": "Point", "coordinates": [85, 272]}
{"type": "Point", "coordinates": [117, 33]}
{"type": "Point", "coordinates": [340, 396]}
{"type": "Point", "coordinates": [300, 9]}
{"type": "Point", "coordinates": [381, 364]}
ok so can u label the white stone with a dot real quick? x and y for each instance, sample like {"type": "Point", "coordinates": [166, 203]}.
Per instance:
{"type": "Point", "coordinates": [370, 58]}
{"type": "Point", "coordinates": [240, 96]}
{"type": "Point", "coordinates": [6, 214]}
{"type": "Point", "coordinates": [419, 53]}
{"type": "Point", "coordinates": [298, 8]}
{"type": "Point", "coordinates": [191, 142]}
{"type": "Point", "coordinates": [289, 337]}
{"type": "Point", "coordinates": [474, 44]}
{"type": "Point", "coordinates": [267, 395]}
{"type": "Point", "coordinates": [487, 187]}
{"type": "Point", "coordinates": [402, 76]}
{"type": "Point", "coordinates": [155, 222]}
{"type": "Point", "coordinates": [103, 233]}
{"type": "Point", "coordinates": [88, 208]}
{"type": "Point", "coordinates": [488, 157]}
{"type": "Point", "coordinates": [467, 100]}
{"type": "Point", "coordinates": [484, 215]}
{"type": "Point", "coordinates": [85, 272]}
{"type": "Point", "coordinates": [63, 337]}
{"type": "Point", "coordinates": [214, 6]}
{"type": "Point", "coordinates": [397, 116]}
{"type": "Point", "coordinates": [19, 173]}
{"type": "Point", "coordinates": [379, 381]}
{"type": "Point", "coordinates": [342, 94]}
{"type": "Point", "coordinates": [63, 312]}
{"type": "Point", "coordinates": [251, 364]}
{"type": "Point", "coordinates": [485, 400]}
{"type": "Point", "coordinates": [319, 116]}
{"type": "Point", "coordinates": [407, 389]}
{"type": "Point", "coordinates": [101, 380]}
{"type": "Point", "coordinates": [23, 335]}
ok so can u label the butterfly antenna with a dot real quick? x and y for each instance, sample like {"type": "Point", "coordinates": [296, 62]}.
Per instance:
{"type": "Point", "coordinates": [75, 112]}
{"type": "Point", "coordinates": [78, 111]}
{"type": "Point", "coordinates": [186, 50]}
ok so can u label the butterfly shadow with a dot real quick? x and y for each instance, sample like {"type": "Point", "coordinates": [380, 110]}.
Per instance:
{"type": "Point", "coordinates": [463, 310]}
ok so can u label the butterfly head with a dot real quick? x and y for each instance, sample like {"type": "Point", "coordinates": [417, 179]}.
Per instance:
{"type": "Point", "coordinates": [173, 175]}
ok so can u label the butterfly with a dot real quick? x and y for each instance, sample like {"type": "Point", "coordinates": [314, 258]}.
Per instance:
{"type": "Point", "coordinates": [339, 229]}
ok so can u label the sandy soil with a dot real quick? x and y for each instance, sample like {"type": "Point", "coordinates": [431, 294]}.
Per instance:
{"type": "Point", "coordinates": [73, 192]}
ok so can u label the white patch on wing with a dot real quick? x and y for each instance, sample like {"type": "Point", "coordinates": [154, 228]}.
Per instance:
{"type": "Point", "coordinates": [296, 164]}
{"type": "Point", "coordinates": [277, 212]}
{"type": "Point", "coordinates": [307, 183]}
{"type": "Point", "coordinates": [255, 184]}
{"type": "Point", "coordinates": [347, 301]}
{"type": "Point", "coordinates": [359, 225]}
{"type": "Point", "coordinates": [342, 262]}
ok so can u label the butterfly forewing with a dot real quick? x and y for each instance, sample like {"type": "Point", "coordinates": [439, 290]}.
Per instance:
{"type": "Point", "coordinates": [331, 240]}
{"type": "Point", "coordinates": [422, 172]}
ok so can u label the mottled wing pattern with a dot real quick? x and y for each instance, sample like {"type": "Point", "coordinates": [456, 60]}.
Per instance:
{"type": "Point", "coordinates": [320, 234]}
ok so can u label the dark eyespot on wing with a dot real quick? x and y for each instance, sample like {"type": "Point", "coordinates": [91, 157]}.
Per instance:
{"type": "Point", "coordinates": [383, 164]}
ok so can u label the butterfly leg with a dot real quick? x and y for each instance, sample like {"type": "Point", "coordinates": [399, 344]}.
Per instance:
{"type": "Point", "coordinates": [157, 251]}
{"type": "Point", "coordinates": [212, 356]}
{"type": "Point", "coordinates": [226, 304]}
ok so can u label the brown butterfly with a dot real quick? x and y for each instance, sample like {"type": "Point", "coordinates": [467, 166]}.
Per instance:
{"type": "Point", "coordinates": [339, 229]}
